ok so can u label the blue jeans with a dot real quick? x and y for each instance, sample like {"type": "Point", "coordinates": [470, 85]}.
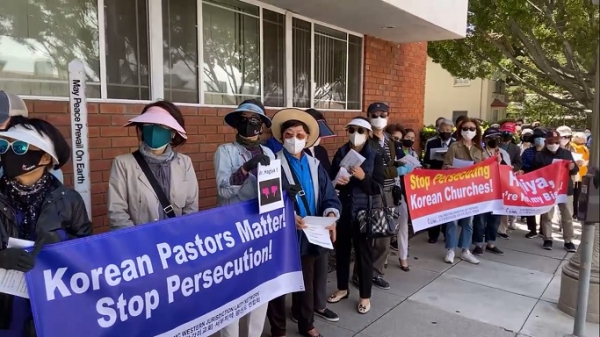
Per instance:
{"type": "Point", "coordinates": [485, 224]}
{"type": "Point", "coordinates": [466, 232]}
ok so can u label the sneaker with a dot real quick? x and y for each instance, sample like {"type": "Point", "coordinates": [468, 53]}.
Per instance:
{"type": "Point", "coordinates": [467, 256]}
{"type": "Point", "coordinates": [477, 250]}
{"type": "Point", "coordinates": [547, 244]}
{"type": "Point", "coordinates": [531, 235]}
{"type": "Point", "coordinates": [394, 246]}
{"type": "Point", "coordinates": [570, 247]}
{"type": "Point", "coordinates": [504, 236]}
{"type": "Point", "coordinates": [380, 283]}
{"type": "Point", "coordinates": [494, 250]}
{"type": "Point", "coordinates": [328, 315]}
{"type": "Point", "coordinates": [449, 257]}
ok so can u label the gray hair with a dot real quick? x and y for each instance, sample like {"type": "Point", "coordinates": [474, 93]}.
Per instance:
{"type": "Point", "coordinates": [445, 121]}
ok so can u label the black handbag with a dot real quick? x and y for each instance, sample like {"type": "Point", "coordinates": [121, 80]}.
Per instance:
{"type": "Point", "coordinates": [378, 220]}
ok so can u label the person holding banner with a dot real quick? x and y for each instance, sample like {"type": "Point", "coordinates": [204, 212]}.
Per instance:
{"type": "Point", "coordinates": [166, 184]}
{"type": "Point", "coordinates": [552, 152]}
{"type": "Point", "coordinates": [364, 181]}
{"type": "Point", "coordinates": [35, 206]}
{"type": "Point", "coordinates": [467, 148]}
{"type": "Point", "coordinates": [236, 166]}
{"type": "Point", "coordinates": [538, 139]}
{"type": "Point", "coordinates": [13, 111]}
{"type": "Point", "coordinates": [308, 183]}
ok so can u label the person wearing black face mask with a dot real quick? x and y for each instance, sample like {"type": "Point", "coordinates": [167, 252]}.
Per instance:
{"type": "Point", "coordinates": [235, 169]}
{"type": "Point", "coordinates": [34, 206]}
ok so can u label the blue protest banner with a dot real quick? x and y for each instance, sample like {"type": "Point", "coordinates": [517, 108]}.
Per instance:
{"type": "Point", "coordinates": [186, 276]}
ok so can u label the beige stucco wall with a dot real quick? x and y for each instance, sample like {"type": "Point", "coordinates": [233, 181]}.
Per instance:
{"type": "Point", "coordinates": [442, 96]}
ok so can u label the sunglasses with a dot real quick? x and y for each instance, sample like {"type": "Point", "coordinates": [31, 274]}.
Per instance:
{"type": "Point", "coordinates": [380, 114]}
{"type": "Point", "coordinates": [19, 147]}
{"type": "Point", "coordinates": [360, 130]}
{"type": "Point", "coordinates": [397, 139]}
{"type": "Point", "coordinates": [254, 120]}
{"type": "Point", "coordinates": [464, 128]}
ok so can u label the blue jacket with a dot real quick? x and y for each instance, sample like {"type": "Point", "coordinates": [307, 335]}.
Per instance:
{"type": "Point", "coordinates": [327, 199]}
{"type": "Point", "coordinates": [355, 195]}
{"type": "Point", "coordinates": [527, 159]}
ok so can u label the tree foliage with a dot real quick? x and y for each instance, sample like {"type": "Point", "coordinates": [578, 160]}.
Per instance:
{"type": "Point", "coordinates": [547, 46]}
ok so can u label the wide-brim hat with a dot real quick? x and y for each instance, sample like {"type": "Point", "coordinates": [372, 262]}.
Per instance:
{"type": "Point", "coordinates": [159, 116]}
{"type": "Point", "coordinates": [232, 117]}
{"type": "Point", "coordinates": [285, 115]}
{"type": "Point", "coordinates": [32, 137]}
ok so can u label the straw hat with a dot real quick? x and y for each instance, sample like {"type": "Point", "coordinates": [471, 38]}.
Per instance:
{"type": "Point", "coordinates": [285, 115]}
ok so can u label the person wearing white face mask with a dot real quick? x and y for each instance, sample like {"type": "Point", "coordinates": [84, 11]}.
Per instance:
{"type": "Point", "coordinates": [547, 156]}
{"type": "Point", "coordinates": [364, 181]}
{"type": "Point", "coordinates": [307, 182]}
{"type": "Point", "coordinates": [468, 147]}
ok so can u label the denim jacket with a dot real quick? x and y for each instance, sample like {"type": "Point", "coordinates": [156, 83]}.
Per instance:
{"type": "Point", "coordinates": [228, 159]}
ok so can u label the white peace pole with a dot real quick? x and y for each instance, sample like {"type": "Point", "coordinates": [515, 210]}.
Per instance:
{"type": "Point", "coordinates": [79, 133]}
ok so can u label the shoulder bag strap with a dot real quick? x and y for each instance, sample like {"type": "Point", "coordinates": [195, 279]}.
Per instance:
{"type": "Point", "coordinates": [301, 194]}
{"type": "Point", "coordinates": [162, 198]}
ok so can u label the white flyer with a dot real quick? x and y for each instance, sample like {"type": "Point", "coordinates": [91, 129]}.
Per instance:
{"type": "Point", "coordinates": [342, 173]}
{"type": "Point", "coordinates": [270, 196]}
{"type": "Point", "coordinates": [352, 159]}
{"type": "Point", "coordinates": [438, 153]}
{"type": "Point", "coordinates": [12, 282]}
{"type": "Point", "coordinates": [316, 231]}
{"type": "Point", "coordinates": [459, 163]}
{"type": "Point", "coordinates": [410, 160]}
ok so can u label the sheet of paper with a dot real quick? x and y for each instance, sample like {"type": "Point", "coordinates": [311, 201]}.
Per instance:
{"type": "Point", "coordinates": [12, 282]}
{"type": "Point", "coordinates": [268, 178]}
{"type": "Point", "coordinates": [352, 159]}
{"type": "Point", "coordinates": [438, 153]}
{"type": "Point", "coordinates": [577, 156]}
{"type": "Point", "coordinates": [342, 173]}
{"type": "Point", "coordinates": [410, 160]}
{"type": "Point", "coordinates": [315, 230]}
{"type": "Point", "coordinates": [459, 163]}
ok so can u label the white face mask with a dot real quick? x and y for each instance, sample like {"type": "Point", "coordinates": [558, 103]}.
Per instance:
{"type": "Point", "coordinates": [317, 142]}
{"type": "Point", "coordinates": [587, 134]}
{"type": "Point", "coordinates": [294, 145]}
{"type": "Point", "coordinates": [552, 147]}
{"type": "Point", "coordinates": [564, 142]}
{"type": "Point", "coordinates": [468, 134]}
{"type": "Point", "coordinates": [378, 123]}
{"type": "Point", "coordinates": [358, 139]}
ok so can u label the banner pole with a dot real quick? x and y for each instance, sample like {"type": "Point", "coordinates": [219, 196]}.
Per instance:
{"type": "Point", "coordinates": [79, 132]}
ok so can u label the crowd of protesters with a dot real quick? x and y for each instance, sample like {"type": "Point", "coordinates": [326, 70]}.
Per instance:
{"type": "Point", "coordinates": [157, 182]}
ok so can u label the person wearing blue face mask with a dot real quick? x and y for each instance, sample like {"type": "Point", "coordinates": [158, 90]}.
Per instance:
{"type": "Point", "coordinates": [154, 182]}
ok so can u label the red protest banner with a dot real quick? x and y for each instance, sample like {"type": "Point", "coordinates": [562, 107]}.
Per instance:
{"type": "Point", "coordinates": [535, 192]}
{"type": "Point", "coordinates": [436, 197]}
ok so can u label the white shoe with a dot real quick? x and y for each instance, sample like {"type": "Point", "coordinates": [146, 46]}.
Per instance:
{"type": "Point", "coordinates": [467, 256]}
{"type": "Point", "coordinates": [449, 257]}
{"type": "Point", "coordinates": [512, 226]}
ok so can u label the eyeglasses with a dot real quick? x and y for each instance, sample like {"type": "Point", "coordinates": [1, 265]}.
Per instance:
{"type": "Point", "coordinates": [379, 114]}
{"type": "Point", "coordinates": [19, 147]}
{"type": "Point", "coordinates": [360, 130]}
{"type": "Point", "coordinates": [471, 128]}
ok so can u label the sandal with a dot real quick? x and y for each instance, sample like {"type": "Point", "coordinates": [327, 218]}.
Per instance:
{"type": "Point", "coordinates": [363, 309]}
{"type": "Point", "coordinates": [336, 297]}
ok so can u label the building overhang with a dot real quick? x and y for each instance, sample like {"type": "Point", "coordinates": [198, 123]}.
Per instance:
{"type": "Point", "coordinates": [400, 21]}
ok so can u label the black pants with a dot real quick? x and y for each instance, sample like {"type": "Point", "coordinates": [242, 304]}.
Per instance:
{"type": "Point", "coordinates": [303, 303]}
{"type": "Point", "coordinates": [348, 235]}
{"type": "Point", "coordinates": [434, 232]}
{"type": "Point", "coordinates": [576, 193]}
{"type": "Point", "coordinates": [532, 224]}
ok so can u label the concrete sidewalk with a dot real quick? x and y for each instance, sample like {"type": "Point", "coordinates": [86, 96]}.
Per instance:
{"type": "Point", "coordinates": [504, 296]}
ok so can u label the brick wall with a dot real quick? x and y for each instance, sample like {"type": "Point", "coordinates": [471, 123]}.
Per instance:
{"type": "Point", "coordinates": [393, 73]}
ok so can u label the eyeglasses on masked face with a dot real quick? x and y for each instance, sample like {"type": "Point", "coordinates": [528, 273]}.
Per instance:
{"type": "Point", "coordinates": [353, 129]}
{"type": "Point", "coordinates": [19, 147]}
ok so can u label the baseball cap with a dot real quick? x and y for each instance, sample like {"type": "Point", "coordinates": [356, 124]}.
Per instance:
{"type": "Point", "coordinates": [11, 105]}
{"type": "Point", "coordinates": [539, 133]}
{"type": "Point", "coordinates": [509, 127]}
{"type": "Point", "coordinates": [491, 132]}
{"type": "Point", "coordinates": [378, 106]}
{"type": "Point", "coordinates": [564, 131]}
{"type": "Point", "coordinates": [527, 131]}
{"type": "Point", "coordinates": [552, 134]}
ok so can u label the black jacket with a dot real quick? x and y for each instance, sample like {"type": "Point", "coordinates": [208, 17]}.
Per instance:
{"type": "Point", "coordinates": [545, 157]}
{"type": "Point", "coordinates": [322, 155]}
{"type": "Point", "coordinates": [514, 152]}
{"type": "Point", "coordinates": [434, 143]}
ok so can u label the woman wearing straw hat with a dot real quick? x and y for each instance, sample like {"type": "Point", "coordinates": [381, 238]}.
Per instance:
{"type": "Point", "coordinates": [355, 188]}
{"type": "Point", "coordinates": [308, 183]}
{"type": "Point", "coordinates": [34, 206]}
{"type": "Point", "coordinates": [154, 182]}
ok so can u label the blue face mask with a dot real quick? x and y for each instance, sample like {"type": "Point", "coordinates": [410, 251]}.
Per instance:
{"type": "Point", "coordinates": [539, 142]}
{"type": "Point", "coordinates": [155, 136]}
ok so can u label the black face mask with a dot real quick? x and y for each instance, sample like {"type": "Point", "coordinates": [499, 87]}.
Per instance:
{"type": "Point", "coordinates": [15, 165]}
{"type": "Point", "coordinates": [407, 142]}
{"type": "Point", "coordinates": [526, 139]}
{"type": "Point", "coordinates": [249, 127]}
{"type": "Point", "coordinates": [492, 143]}
{"type": "Point", "coordinates": [507, 138]}
{"type": "Point", "coordinates": [445, 135]}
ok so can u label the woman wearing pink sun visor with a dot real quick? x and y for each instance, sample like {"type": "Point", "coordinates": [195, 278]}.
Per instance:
{"type": "Point", "coordinates": [154, 182]}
